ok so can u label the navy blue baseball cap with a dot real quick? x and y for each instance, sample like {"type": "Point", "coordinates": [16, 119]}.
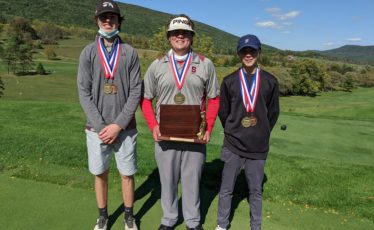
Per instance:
{"type": "Point", "coordinates": [248, 40]}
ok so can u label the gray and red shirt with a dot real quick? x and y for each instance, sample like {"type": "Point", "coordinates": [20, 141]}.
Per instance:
{"type": "Point", "coordinates": [200, 83]}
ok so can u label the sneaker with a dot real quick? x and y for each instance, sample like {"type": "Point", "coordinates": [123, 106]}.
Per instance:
{"type": "Point", "coordinates": [130, 223]}
{"type": "Point", "coordinates": [164, 227]}
{"type": "Point", "coordinates": [198, 227]}
{"type": "Point", "coordinates": [101, 223]}
{"type": "Point", "coordinates": [219, 228]}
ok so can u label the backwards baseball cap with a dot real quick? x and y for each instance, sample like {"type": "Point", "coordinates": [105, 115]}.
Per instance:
{"type": "Point", "coordinates": [107, 6]}
{"type": "Point", "coordinates": [248, 40]}
{"type": "Point", "coordinates": [180, 23]}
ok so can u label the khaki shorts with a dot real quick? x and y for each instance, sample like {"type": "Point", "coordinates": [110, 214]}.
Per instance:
{"type": "Point", "coordinates": [100, 154]}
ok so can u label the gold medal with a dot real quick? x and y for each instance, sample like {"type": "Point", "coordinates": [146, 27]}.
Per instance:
{"type": "Point", "coordinates": [246, 122]}
{"type": "Point", "coordinates": [249, 121]}
{"type": "Point", "coordinates": [179, 99]}
{"type": "Point", "coordinates": [253, 120]}
{"type": "Point", "coordinates": [114, 89]}
{"type": "Point", "coordinates": [107, 88]}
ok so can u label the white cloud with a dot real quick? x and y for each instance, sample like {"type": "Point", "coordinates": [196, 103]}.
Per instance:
{"type": "Point", "coordinates": [273, 10]}
{"type": "Point", "coordinates": [280, 20]}
{"type": "Point", "coordinates": [268, 24]}
{"type": "Point", "coordinates": [286, 32]}
{"type": "Point", "coordinates": [289, 15]}
{"type": "Point", "coordinates": [354, 39]}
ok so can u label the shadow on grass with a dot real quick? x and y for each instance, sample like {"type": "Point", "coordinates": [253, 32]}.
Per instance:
{"type": "Point", "coordinates": [151, 185]}
{"type": "Point", "coordinates": [210, 185]}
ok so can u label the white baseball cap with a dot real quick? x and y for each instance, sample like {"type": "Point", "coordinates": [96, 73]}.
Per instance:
{"type": "Point", "coordinates": [180, 23]}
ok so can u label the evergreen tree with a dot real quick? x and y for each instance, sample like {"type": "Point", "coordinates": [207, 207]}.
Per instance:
{"type": "Point", "coordinates": [18, 45]}
{"type": "Point", "coordinates": [1, 87]}
{"type": "Point", "coordinates": [40, 69]}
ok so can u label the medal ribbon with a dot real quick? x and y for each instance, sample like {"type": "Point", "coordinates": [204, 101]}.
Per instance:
{"type": "Point", "coordinates": [109, 61]}
{"type": "Point", "coordinates": [180, 77]}
{"type": "Point", "coordinates": [249, 97]}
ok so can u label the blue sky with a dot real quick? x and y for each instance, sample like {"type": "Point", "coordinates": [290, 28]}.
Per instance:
{"type": "Point", "coordinates": [284, 24]}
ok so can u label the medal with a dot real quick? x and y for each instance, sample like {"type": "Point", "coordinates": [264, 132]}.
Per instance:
{"type": "Point", "coordinates": [107, 88]}
{"type": "Point", "coordinates": [249, 96]}
{"type": "Point", "coordinates": [249, 121]}
{"type": "Point", "coordinates": [179, 98]}
{"type": "Point", "coordinates": [109, 62]}
{"type": "Point", "coordinates": [180, 77]}
{"type": "Point", "coordinates": [246, 122]}
{"type": "Point", "coordinates": [114, 89]}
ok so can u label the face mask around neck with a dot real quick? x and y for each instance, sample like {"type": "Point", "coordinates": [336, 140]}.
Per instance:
{"type": "Point", "coordinates": [108, 35]}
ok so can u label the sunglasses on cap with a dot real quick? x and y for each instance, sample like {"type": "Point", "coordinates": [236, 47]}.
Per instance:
{"type": "Point", "coordinates": [180, 32]}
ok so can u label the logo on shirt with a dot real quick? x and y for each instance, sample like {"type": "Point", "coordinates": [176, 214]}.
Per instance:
{"type": "Point", "coordinates": [193, 69]}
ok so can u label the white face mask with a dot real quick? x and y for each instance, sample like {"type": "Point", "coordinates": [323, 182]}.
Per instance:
{"type": "Point", "coordinates": [108, 35]}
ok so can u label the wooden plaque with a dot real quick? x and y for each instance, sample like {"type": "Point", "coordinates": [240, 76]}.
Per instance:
{"type": "Point", "coordinates": [180, 123]}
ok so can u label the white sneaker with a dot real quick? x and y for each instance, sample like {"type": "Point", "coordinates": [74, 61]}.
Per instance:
{"type": "Point", "coordinates": [101, 223]}
{"type": "Point", "coordinates": [219, 228]}
{"type": "Point", "coordinates": [130, 224]}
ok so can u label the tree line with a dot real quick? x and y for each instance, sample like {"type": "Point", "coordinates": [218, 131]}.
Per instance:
{"type": "Point", "coordinates": [297, 75]}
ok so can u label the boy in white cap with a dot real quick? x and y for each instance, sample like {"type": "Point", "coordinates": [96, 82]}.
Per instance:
{"type": "Point", "coordinates": [109, 87]}
{"type": "Point", "coordinates": [187, 78]}
{"type": "Point", "coordinates": [249, 109]}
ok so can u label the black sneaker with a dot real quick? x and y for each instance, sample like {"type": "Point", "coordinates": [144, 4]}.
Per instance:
{"type": "Point", "coordinates": [130, 223]}
{"type": "Point", "coordinates": [198, 227]}
{"type": "Point", "coordinates": [101, 223]}
{"type": "Point", "coordinates": [164, 227]}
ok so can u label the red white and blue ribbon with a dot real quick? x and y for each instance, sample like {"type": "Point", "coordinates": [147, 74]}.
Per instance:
{"type": "Point", "coordinates": [249, 95]}
{"type": "Point", "coordinates": [109, 61]}
{"type": "Point", "coordinates": [180, 77]}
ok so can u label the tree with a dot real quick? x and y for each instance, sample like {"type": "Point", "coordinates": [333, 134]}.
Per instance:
{"type": "Point", "coordinates": [308, 77]}
{"type": "Point", "coordinates": [349, 82]}
{"type": "Point", "coordinates": [40, 69]}
{"type": "Point", "coordinates": [9, 55]}
{"type": "Point", "coordinates": [159, 42]}
{"type": "Point", "coordinates": [50, 53]}
{"type": "Point", "coordinates": [204, 45]}
{"type": "Point", "coordinates": [49, 33]}
{"type": "Point", "coordinates": [1, 87]}
{"type": "Point", "coordinates": [18, 45]}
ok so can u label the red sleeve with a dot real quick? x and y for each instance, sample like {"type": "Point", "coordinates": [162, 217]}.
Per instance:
{"type": "Point", "coordinates": [211, 112]}
{"type": "Point", "coordinates": [148, 113]}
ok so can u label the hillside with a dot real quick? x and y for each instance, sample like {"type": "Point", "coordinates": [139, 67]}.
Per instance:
{"type": "Point", "coordinates": [138, 20]}
{"type": "Point", "coordinates": [352, 53]}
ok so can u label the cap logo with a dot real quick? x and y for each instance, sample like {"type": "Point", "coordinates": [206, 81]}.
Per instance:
{"type": "Point", "coordinates": [106, 4]}
{"type": "Point", "coordinates": [246, 40]}
{"type": "Point", "coordinates": [180, 21]}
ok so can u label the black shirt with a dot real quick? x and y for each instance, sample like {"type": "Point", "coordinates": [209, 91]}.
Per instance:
{"type": "Point", "coordinates": [251, 142]}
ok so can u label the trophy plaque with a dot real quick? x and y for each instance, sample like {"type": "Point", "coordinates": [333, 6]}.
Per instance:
{"type": "Point", "coordinates": [185, 123]}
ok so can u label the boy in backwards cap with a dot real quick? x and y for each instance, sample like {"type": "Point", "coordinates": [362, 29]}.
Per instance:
{"type": "Point", "coordinates": [109, 88]}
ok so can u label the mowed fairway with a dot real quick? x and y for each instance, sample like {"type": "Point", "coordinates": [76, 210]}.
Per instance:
{"type": "Point", "coordinates": [319, 172]}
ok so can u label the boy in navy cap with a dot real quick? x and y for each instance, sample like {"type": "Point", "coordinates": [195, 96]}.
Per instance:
{"type": "Point", "coordinates": [249, 109]}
